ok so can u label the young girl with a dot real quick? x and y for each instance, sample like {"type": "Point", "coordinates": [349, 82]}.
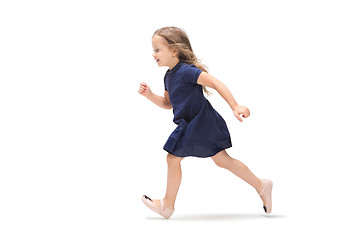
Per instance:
{"type": "Point", "coordinates": [201, 131]}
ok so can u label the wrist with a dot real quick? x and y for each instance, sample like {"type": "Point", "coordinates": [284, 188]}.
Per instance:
{"type": "Point", "coordinates": [234, 106]}
{"type": "Point", "coordinates": [149, 95]}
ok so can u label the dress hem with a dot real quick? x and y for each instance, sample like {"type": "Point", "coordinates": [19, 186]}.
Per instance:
{"type": "Point", "coordinates": [199, 156]}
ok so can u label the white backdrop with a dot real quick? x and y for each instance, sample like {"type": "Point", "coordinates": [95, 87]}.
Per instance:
{"type": "Point", "coordinates": [79, 145]}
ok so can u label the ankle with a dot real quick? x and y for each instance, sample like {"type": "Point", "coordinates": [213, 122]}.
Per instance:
{"type": "Point", "coordinates": [259, 187]}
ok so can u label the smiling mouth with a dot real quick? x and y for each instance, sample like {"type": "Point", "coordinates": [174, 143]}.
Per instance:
{"type": "Point", "coordinates": [157, 60]}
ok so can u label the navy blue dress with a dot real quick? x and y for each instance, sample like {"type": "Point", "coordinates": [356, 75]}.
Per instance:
{"type": "Point", "coordinates": [201, 131]}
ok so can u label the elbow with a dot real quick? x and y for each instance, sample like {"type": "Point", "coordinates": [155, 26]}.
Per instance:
{"type": "Point", "coordinates": [167, 105]}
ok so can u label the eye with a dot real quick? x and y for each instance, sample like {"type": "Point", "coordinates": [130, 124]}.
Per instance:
{"type": "Point", "coordinates": [157, 50]}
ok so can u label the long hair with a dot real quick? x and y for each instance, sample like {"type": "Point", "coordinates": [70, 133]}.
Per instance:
{"type": "Point", "coordinates": [177, 38]}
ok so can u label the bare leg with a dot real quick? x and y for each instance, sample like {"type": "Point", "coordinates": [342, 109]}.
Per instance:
{"type": "Point", "coordinates": [173, 181]}
{"type": "Point", "coordinates": [222, 159]}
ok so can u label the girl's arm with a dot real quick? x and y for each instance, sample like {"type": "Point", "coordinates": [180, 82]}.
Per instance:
{"type": "Point", "coordinates": [207, 80]}
{"type": "Point", "coordinates": [162, 102]}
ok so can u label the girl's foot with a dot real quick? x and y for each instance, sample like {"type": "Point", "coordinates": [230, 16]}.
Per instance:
{"type": "Point", "coordinates": [157, 203]}
{"type": "Point", "coordinates": [265, 195]}
{"type": "Point", "coordinates": [157, 206]}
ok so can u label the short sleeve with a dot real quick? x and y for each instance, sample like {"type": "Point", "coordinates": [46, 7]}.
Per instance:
{"type": "Point", "coordinates": [191, 74]}
{"type": "Point", "coordinates": [165, 83]}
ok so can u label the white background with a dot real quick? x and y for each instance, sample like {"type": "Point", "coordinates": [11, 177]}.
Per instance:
{"type": "Point", "coordinates": [79, 145]}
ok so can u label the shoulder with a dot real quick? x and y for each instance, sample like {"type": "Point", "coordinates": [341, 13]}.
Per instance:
{"type": "Point", "coordinates": [188, 67]}
{"type": "Point", "coordinates": [190, 72]}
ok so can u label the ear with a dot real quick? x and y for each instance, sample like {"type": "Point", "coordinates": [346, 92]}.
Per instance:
{"type": "Point", "coordinates": [175, 52]}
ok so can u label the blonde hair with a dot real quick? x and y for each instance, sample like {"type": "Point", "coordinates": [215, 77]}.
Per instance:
{"type": "Point", "coordinates": [178, 39]}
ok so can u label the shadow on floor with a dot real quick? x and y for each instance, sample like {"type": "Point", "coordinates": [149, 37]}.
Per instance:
{"type": "Point", "coordinates": [219, 217]}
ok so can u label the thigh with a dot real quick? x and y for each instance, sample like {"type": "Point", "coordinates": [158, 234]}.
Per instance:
{"type": "Point", "coordinates": [174, 158]}
{"type": "Point", "coordinates": [220, 155]}
{"type": "Point", "coordinates": [221, 159]}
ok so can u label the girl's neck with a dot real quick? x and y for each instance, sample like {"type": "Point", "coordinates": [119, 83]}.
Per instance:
{"type": "Point", "coordinates": [173, 64]}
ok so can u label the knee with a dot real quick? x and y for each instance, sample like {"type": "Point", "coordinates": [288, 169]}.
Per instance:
{"type": "Point", "coordinates": [219, 163]}
{"type": "Point", "coordinates": [222, 160]}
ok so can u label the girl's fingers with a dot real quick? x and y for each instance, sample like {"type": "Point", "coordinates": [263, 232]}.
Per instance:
{"type": "Point", "coordinates": [246, 114]}
{"type": "Point", "coordinates": [144, 88]}
{"type": "Point", "coordinates": [238, 117]}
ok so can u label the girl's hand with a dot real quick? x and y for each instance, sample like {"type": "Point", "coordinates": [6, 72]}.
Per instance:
{"type": "Point", "coordinates": [241, 110]}
{"type": "Point", "coordinates": [144, 89]}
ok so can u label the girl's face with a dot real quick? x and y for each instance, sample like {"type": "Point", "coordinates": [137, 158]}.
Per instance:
{"type": "Point", "coordinates": [163, 55]}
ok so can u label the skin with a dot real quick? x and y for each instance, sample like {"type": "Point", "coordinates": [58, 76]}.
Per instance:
{"type": "Point", "coordinates": [166, 56]}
